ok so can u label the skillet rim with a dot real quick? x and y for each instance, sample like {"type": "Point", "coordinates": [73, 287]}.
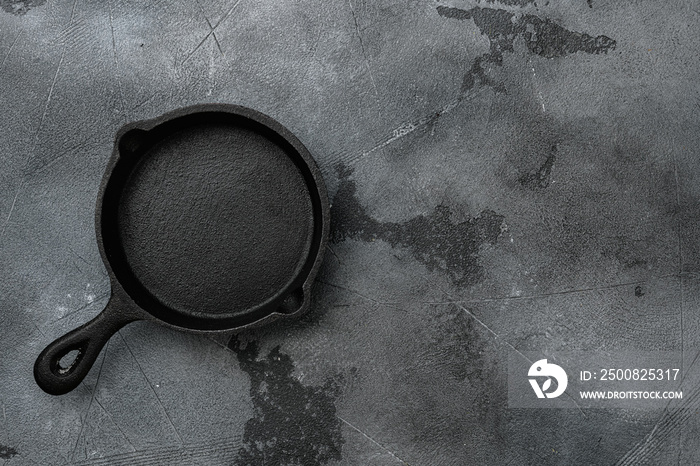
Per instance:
{"type": "Point", "coordinates": [265, 312]}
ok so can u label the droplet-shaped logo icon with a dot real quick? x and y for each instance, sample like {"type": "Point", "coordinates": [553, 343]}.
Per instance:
{"type": "Point", "coordinates": [543, 370]}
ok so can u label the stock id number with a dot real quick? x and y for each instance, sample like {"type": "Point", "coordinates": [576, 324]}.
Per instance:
{"type": "Point", "coordinates": [639, 374]}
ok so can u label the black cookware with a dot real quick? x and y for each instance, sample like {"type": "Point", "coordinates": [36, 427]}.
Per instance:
{"type": "Point", "coordinates": [210, 218]}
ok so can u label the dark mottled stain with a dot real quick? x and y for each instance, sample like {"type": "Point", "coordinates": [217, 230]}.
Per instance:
{"type": "Point", "coordinates": [590, 3]}
{"type": "Point", "coordinates": [433, 239]}
{"type": "Point", "coordinates": [541, 178]}
{"type": "Point", "coordinates": [639, 291]}
{"type": "Point", "coordinates": [462, 352]}
{"type": "Point", "coordinates": [625, 251]}
{"type": "Point", "coordinates": [458, 343]}
{"type": "Point", "coordinates": [631, 262]}
{"type": "Point", "coordinates": [20, 7]}
{"type": "Point", "coordinates": [449, 389]}
{"type": "Point", "coordinates": [7, 452]}
{"type": "Point", "coordinates": [542, 37]}
{"type": "Point", "coordinates": [293, 424]}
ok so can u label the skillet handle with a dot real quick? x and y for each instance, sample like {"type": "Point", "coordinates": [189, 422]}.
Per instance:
{"type": "Point", "coordinates": [88, 340]}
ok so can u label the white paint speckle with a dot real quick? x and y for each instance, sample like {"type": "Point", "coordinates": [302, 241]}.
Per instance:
{"type": "Point", "coordinates": [88, 295]}
{"type": "Point", "coordinates": [403, 130]}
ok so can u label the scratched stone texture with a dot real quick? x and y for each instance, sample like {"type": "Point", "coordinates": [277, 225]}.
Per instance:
{"type": "Point", "coordinates": [511, 175]}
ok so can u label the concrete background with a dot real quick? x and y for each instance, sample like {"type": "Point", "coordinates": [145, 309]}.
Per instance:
{"type": "Point", "coordinates": [505, 176]}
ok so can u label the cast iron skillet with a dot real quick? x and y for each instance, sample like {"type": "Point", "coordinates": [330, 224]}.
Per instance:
{"type": "Point", "coordinates": [210, 218]}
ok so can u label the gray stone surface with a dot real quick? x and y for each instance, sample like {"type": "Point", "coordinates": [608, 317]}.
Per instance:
{"type": "Point", "coordinates": [504, 175]}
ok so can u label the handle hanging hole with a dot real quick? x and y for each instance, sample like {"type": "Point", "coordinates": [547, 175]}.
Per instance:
{"type": "Point", "coordinates": [66, 363]}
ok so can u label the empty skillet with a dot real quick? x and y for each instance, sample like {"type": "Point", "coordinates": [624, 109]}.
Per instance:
{"type": "Point", "coordinates": [210, 218]}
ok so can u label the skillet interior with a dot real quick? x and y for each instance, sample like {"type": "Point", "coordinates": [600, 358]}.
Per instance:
{"type": "Point", "coordinates": [210, 220]}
